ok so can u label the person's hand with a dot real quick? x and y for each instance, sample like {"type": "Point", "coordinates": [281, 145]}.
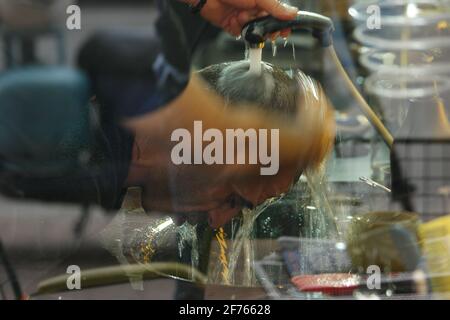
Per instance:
{"type": "Point", "coordinates": [232, 15]}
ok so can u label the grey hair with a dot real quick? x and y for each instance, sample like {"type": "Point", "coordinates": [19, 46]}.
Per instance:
{"type": "Point", "coordinates": [272, 90]}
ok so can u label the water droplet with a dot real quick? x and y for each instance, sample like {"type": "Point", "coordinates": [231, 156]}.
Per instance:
{"type": "Point", "coordinates": [290, 73]}
{"type": "Point", "coordinates": [341, 246]}
{"type": "Point", "coordinates": [274, 48]}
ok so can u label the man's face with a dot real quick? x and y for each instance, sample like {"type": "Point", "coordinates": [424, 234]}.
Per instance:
{"type": "Point", "coordinates": [210, 191]}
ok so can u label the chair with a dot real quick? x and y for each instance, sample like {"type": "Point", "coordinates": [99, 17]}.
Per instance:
{"type": "Point", "coordinates": [23, 22]}
{"type": "Point", "coordinates": [44, 121]}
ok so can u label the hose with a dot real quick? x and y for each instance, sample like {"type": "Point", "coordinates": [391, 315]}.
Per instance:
{"type": "Point", "coordinates": [121, 274]}
{"type": "Point", "coordinates": [363, 105]}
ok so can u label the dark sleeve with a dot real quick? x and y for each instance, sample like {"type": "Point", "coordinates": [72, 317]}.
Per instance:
{"type": "Point", "coordinates": [133, 72]}
{"type": "Point", "coordinates": [111, 163]}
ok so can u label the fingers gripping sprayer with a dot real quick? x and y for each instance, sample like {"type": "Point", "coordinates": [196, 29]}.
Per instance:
{"type": "Point", "coordinates": [255, 33]}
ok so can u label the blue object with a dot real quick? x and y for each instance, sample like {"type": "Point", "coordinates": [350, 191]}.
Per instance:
{"type": "Point", "coordinates": [44, 120]}
{"type": "Point", "coordinates": [406, 244]}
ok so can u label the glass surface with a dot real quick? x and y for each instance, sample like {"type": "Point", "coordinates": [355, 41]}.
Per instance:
{"type": "Point", "coordinates": [320, 239]}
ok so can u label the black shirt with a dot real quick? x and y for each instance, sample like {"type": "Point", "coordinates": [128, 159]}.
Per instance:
{"type": "Point", "coordinates": [133, 74]}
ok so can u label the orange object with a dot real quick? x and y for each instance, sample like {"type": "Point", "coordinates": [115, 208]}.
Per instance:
{"type": "Point", "coordinates": [337, 284]}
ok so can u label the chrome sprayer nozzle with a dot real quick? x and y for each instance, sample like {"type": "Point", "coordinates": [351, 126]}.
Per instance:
{"type": "Point", "coordinates": [256, 31]}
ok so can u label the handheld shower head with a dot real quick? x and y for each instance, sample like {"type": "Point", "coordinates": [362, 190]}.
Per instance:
{"type": "Point", "coordinates": [256, 31]}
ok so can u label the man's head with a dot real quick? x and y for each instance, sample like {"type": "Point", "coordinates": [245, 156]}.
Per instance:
{"type": "Point", "coordinates": [288, 96]}
{"type": "Point", "coordinates": [295, 100]}
{"type": "Point", "coordinates": [272, 91]}
{"type": "Point", "coordinates": [281, 95]}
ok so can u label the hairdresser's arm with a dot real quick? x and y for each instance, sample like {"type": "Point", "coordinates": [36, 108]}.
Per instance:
{"type": "Point", "coordinates": [232, 15]}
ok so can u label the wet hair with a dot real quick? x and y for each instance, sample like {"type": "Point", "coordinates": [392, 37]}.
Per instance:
{"type": "Point", "coordinates": [275, 91]}
{"type": "Point", "coordinates": [272, 90]}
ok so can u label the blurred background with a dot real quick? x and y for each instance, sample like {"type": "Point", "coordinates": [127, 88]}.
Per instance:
{"type": "Point", "coordinates": [402, 66]}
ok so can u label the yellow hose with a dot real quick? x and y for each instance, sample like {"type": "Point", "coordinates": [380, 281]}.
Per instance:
{"type": "Point", "coordinates": [121, 274]}
{"type": "Point", "coordinates": [364, 106]}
